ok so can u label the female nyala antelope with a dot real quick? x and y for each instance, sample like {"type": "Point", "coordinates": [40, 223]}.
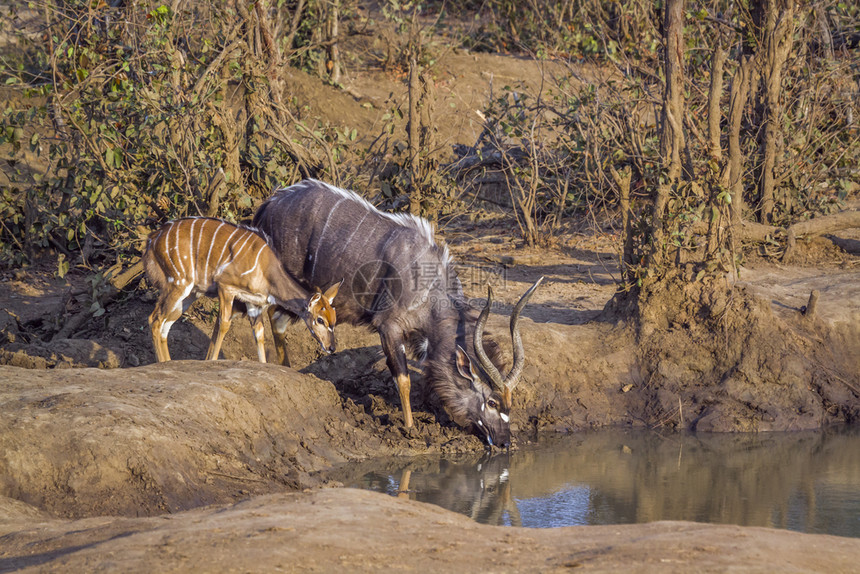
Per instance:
{"type": "Point", "coordinates": [187, 257]}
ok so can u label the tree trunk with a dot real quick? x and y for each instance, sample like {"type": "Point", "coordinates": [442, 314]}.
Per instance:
{"type": "Point", "coordinates": [333, 23]}
{"type": "Point", "coordinates": [738, 101]}
{"type": "Point", "coordinates": [715, 94]}
{"type": "Point", "coordinates": [715, 152]}
{"type": "Point", "coordinates": [671, 134]}
{"type": "Point", "coordinates": [413, 143]}
{"type": "Point", "coordinates": [824, 27]}
{"type": "Point", "coordinates": [777, 41]}
{"type": "Point", "coordinates": [270, 51]}
{"type": "Point", "coordinates": [622, 180]}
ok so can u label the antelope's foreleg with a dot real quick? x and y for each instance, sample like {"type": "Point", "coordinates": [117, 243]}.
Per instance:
{"type": "Point", "coordinates": [255, 316]}
{"type": "Point", "coordinates": [222, 324]}
{"type": "Point", "coordinates": [395, 354]}
{"type": "Point", "coordinates": [280, 320]}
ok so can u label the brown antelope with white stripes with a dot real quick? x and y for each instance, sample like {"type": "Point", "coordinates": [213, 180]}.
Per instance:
{"type": "Point", "coordinates": [189, 257]}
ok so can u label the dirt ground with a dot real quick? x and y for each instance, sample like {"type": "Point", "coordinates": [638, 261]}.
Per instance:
{"type": "Point", "coordinates": [108, 461]}
{"type": "Point", "coordinates": [344, 530]}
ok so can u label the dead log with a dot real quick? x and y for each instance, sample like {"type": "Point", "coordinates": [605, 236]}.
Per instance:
{"type": "Point", "coordinates": [115, 286]}
{"type": "Point", "coordinates": [847, 245]}
{"type": "Point", "coordinates": [819, 226]}
{"type": "Point", "coordinates": [745, 232]}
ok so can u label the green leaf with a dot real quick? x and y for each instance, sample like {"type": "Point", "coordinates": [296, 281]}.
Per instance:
{"type": "Point", "coordinates": [62, 266]}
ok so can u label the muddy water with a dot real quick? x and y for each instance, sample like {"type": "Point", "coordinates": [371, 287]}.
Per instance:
{"type": "Point", "coordinates": [809, 482]}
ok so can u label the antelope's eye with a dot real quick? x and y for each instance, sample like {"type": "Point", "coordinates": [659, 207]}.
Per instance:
{"type": "Point", "coordinates": [320, 321]}
{"type": "Point", "coordinates": [493, 404]}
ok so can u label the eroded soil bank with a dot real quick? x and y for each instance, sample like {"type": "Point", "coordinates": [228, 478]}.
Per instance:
{"type": "Point", "coordinates": [173, 436]}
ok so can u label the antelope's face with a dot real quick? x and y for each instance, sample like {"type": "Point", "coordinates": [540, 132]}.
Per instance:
{"type": "Point", "coordinates": [321, 318]}
{"type": "Point", "coordinates": [486, 410]}
{"type": "Point", "coordinates": [494, 421]}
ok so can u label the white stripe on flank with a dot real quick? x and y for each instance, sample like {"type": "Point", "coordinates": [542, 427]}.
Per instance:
{"type": "Point", "coordinates": [256, 261]}
{"type": "Point", "coordinates": [322, 235]}
{"type": "Point", "coordinates": [218, 262]}
{"type": "Point", "coordinates": [197, 251]}
{"type": "Point", "coordinates": [384, 245]}
{"type": "Point", "coordinates": [209, 253]}
{"type": "Point", "coordinates": [241, 247]}
{"type": "Point", "coordinates": [170, 249]}
{"type": "Point", "coordinates": [192, 252]}
{"type": "Point", "coordinates": [181, 268]}
{"type": "Point", "coordinates": [351, 235]}
{"type": "Point", "coordinates": [167, 254]}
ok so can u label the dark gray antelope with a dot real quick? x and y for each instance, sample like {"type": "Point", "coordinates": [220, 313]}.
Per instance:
{"type": "Point", "coordinates": [402, 284]}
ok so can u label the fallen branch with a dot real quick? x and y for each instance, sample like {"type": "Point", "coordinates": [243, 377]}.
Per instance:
{"type": "Point", "coordinates": [746, 232]}
{"type": "Point", "coordinates": [819, 226]}
{"type": "Point", "coordinates": [114, 288]}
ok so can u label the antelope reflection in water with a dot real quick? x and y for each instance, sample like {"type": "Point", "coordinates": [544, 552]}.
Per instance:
{"type": "Point", "coordinates": [477, 486]}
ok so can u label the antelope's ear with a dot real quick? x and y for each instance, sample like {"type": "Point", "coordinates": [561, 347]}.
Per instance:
{"type": "Point", "coordinates": [314, 300]}
{"type": "Point", "coordinates": [464, 365]}
{"type": "Point", "coordinates": [331, 293]}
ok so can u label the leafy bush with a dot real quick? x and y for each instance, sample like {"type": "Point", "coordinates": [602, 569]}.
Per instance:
{"type": "Point", "coordinates": [140, 117]}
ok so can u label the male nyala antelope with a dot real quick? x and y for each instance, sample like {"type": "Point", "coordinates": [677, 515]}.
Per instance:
{"type": "Point", "coordinates": [187, 257]}
{"type": "Point", "coordinates": [403, 285]}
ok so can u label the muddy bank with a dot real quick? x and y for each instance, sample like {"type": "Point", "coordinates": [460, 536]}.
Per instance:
{"type": "Point", "coordinates": [163, 438]}
{"type": "Point", "coordinates": [713, 355]}
{"type": "Point", "coordinates": [344, 530]}
{"type": "Point", "coordinates": [174, 436]}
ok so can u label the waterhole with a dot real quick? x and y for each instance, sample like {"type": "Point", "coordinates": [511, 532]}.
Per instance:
{"type": "Point", "coordinates": [808, 482]}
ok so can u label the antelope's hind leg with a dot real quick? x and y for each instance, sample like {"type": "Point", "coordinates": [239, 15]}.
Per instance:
{"type": "Point", "coordinates": [168, 308]}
